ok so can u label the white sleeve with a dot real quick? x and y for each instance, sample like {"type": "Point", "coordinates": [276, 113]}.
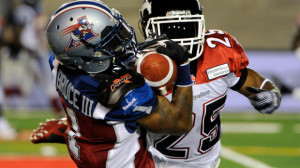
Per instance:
{"type": "Point", "coordinates": [232, 79]}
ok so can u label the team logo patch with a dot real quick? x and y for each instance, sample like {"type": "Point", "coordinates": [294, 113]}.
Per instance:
{"type": "Point", "coordinates": [117, 82]}
{"type": "Point", "coordinates": [82, 30]}
{"type": "Point", "coordinates": [201, 94]}
{"type": "Point", "coordinates": [217, 71]}
{"type": "Point", "coordinates": [129, 104]}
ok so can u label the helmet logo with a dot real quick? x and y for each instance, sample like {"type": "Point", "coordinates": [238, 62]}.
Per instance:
{"type": "Point", "coordinates": [178, 12]}
{"type": "Point", "coordinates": [81, 30]}
{"type": "Point", "coordinates": [146, 6]}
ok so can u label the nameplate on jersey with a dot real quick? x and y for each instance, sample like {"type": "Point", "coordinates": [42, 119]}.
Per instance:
{"type": "Point", "coordinates": [73, 96]}
{"type": "Point", "coordinates": [217, 71]}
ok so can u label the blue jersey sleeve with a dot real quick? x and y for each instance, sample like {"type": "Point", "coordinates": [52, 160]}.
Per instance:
{"type": "Point", "coordinates": [136, 104]}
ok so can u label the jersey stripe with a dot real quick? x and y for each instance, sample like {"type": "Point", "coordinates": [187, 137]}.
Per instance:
{"type": "Point", "coordinates": [81, 4]}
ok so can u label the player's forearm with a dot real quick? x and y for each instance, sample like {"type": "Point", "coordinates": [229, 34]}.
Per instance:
{"type": "Point", "coordinates": [183, 102]}
{"type": "Point", "coordinates": [171, 117]}
{"type": "Point", "coordinates": [254, 79]}
{"type": "Point", "coordinates": [262, 93]}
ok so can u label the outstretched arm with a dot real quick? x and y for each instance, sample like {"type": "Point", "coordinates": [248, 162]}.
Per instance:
{"type": "Point", "coordinates": [263, 93]}
{"type": "Point", "coordinates": [171, 117]}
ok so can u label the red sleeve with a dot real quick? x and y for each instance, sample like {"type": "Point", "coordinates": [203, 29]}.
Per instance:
{"type": "Point", "coordinates": [237, 58]}
{"type": "Point", "coordinates": [221, 50]}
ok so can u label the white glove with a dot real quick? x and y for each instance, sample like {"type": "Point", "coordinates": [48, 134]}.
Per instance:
{"type": "Point", "coordinates": [265, 101]}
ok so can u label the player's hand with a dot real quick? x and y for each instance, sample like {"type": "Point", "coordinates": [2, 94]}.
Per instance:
{"type": "Point", "coordinates": [151, 43]}
{"type": "Point", "coordinates": [265, 101]}
{"type": "Point", "coordinates": [50, 131]}
{"type": "Point", "coordinates": [175, 51]}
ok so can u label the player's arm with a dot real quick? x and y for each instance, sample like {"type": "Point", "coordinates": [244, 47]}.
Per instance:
{"type": "Point", "coordinates": [263, 93]}
{"type": "Point", "coordinates": [173, 117]}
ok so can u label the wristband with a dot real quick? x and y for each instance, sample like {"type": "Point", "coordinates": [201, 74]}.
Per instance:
{"type": "Point", "coordinates": [184, 75]}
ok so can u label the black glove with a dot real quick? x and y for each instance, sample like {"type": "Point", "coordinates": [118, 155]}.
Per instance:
{"type": "Point", "coordinates": [175, 51]}
{"type": "Point", "coordinates": [265, 101]}
{"type": "Point", "coordinates": [152, 43]}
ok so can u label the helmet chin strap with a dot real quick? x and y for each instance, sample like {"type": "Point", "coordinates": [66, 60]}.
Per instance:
{"type": "Point", "coordinates": [96, 56]}
{"type": "Point", "coordinates": [87, 44]}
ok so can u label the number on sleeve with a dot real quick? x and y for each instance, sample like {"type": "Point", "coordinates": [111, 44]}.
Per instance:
{"type": "Point", "coordinates": [211, 41]}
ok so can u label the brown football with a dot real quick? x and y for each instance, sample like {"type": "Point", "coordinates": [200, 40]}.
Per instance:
{"type": "Point", "coordinates": [159, 71]}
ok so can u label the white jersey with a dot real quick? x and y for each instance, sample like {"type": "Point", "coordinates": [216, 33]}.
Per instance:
{"type": "Point", "coordinates": [218, 69]}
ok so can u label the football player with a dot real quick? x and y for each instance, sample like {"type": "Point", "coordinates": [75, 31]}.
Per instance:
{"type": "Point", "coordinates": [218, 63]}
{"type": "Point", "coordinates": [105, 103]}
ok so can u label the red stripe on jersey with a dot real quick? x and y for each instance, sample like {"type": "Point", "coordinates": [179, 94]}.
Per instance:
{"type": "Point", "coordinates": [143, 159]}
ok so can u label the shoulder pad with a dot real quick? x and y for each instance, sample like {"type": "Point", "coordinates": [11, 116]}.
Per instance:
{"type": "Point", "coordinates": [116, 84]}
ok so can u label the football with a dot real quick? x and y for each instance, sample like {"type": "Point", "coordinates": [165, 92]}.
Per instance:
{"type": "Point", "coordinates": [159, 71]}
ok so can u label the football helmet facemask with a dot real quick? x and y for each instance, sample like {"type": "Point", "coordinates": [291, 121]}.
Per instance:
{"type": "Point", "coordinates": [88, 35]}
{"type": "Point", "coordinates": [181, 21]}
